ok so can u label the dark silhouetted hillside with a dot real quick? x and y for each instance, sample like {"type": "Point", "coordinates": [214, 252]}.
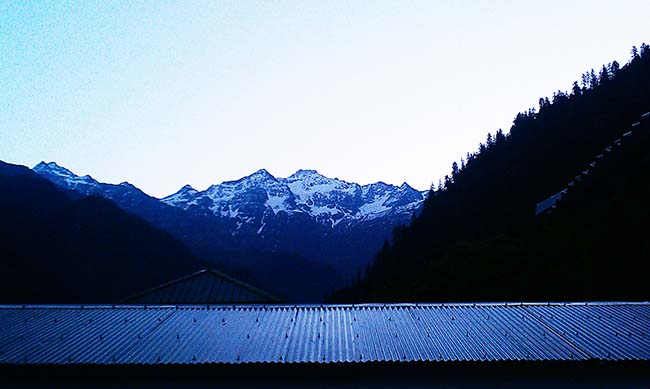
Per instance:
{"type": "Point", "coordinates": [55, 248]}
{"type": "Point", "coordinates": [64, 246]}
{"type": "Point", "coordinates": [280, 269]}
{"type": "Point", "coordinates": [478, 239]}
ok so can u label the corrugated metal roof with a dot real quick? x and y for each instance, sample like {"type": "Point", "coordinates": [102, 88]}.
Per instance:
{"type": "Point", "coordinates": [550, 202]}
{"type": "Point", "coordinates": [323, 334]}
{"type": "Point", "coordinates": [206, 286]}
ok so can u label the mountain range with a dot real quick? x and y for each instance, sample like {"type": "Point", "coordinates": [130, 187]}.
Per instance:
{"type": "Point", "coordinates": [327, 201]}
{"type": "Point", "coordinates": [316, 231]}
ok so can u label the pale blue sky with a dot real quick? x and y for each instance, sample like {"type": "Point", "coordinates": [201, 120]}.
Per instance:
{"type": "Point", "coordinates": [165, 93]}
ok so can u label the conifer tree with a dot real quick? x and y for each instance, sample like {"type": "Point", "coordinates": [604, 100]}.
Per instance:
{"type": "Point", "coordinates": [614, 67]}
{"type": "Point", "coordinates": [576, 91]}
{"type": "Point", "coordinates": [645, 49]}
{"type": "Point", "coordinates": [543, 102]}
{"type": "Point", "coordinates": [585, 81]}
{"type": "Point", "coordinates": [454, 169]}
{"type": "Point", "coordinates": [559, 96]}
{"type": "Point", "coordinates": [490, 140]}
{"type": "Point", "coordinates": [593, 79]}
{"type": "Point", "coordinates": [500, 137]}
{"type": "Point", "coordinates": [603, 76]}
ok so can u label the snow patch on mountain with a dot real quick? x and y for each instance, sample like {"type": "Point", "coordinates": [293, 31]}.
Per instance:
{"type": "Point", "coordinates": [64, 177]}
{"type": "Point", "coordinates": [324, 210]}
{"type": "Point", "coordinates": [249, 200]}
{"type": "Point", "coordinates": [329, 201]}
{"type": "Point", "coordinates": [309, 186]}
{"type": "Point", "coordinates": [276, 203]}
{"type": "Point", "coordinates": [321, 218]}
{"type": "Point", "coordinates": [186, 195]}
{"type": "Point", "coordinates": [375, 208]}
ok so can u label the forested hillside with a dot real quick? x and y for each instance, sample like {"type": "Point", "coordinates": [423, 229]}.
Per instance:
{"type": "Point", "coordinates": [478, 238]}
{"type": "Point", "coordinates": [57, 248]}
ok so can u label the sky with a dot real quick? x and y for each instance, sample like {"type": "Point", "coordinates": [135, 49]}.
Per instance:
{"type": "Point", "coordinates": [167, 93]}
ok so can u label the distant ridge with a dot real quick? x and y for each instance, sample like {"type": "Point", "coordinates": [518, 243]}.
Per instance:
{"type": "Point", "coordinates": [314, 231]}
{"type": "Point", "coordinates": [56, 247]}
{"type": "Point", "coordinates": [328, 201]}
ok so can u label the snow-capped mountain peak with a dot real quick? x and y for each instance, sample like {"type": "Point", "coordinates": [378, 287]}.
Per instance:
{"type": "Point", "coordinates": [302, 174]}
{"type": "Point", "coordinates": [253, 199]}
{"type": "Point", "coordinates": [306, 213]}
{"type": "Point", "coordinates": [64, 177]}
{"type": "Point", "coordinates": [261, 175]}
{"type": "Point", "coordinates": [329, 201]}
{"type": "Point", "coordinates": [53, 168]}
{"type": "Point", "coordinates": [311, 187]}
{"type": "Point", "coordinates": [183, 196]}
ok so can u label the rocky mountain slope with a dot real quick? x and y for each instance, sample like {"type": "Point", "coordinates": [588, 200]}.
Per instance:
{"type": "Point", "coordinates": [328, 222]}
{"type": "Point", "coordinates": [328, 201]}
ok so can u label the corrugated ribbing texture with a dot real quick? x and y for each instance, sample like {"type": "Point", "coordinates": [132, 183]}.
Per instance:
{"type": "Point", "coordinates": [69, 335]}
{"type": "Point", "coordinates": [602, 331]}
{"type": "Point", "coordinates": [323, 334]}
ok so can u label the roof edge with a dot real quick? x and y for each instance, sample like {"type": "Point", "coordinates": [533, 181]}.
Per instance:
{"type": "Point", "coordinates": [287, 306]}
{"type": "Point", "coordinates": [211, 271]}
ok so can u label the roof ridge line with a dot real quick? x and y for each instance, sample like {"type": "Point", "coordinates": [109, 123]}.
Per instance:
{"type": "Point", "coordinates": [164, 285]}
{"type": "Point", "coordinates": [243, 284]}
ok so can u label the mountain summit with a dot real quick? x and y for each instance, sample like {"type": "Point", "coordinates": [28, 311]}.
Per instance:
{"type": "Point", "coordinates": [63, 177]}
{"type": "Point", "coordinates": [328, 224]}
{"type": "Point", "coordinates": [329, 201]}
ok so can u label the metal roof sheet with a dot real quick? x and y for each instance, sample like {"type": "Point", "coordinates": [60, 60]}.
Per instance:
{"type": "Point", "coordinates": [623, 327]}
{"type": "Point", "coordinates": [550, 202]}
{"type": "Point", "coordinates": [323, 334]}
{"type": "Point", "coordinates": [206, 286]}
